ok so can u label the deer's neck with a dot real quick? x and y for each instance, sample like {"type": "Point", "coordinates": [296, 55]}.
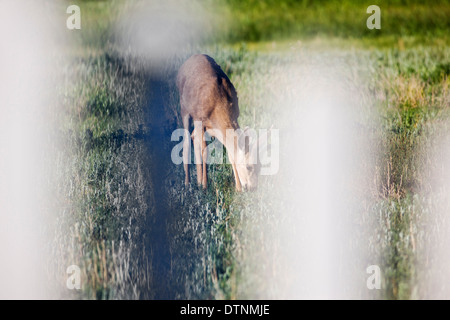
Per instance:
{"type": "Point", "coordinates": [230, 141]}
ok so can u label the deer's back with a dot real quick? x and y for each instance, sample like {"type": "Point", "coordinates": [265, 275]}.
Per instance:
{"type": "Point", "coordinates": [206, 92]}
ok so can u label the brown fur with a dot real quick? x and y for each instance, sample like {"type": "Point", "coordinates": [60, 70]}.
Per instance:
{"type": "Point", "coordinates": [207, 95]}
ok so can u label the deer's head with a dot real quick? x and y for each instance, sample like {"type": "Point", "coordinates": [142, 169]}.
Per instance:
{"type": "Point", "coordinates": [247, 163]}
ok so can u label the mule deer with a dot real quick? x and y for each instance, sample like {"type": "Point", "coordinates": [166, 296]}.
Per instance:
{"type": "Point", "coordinates": [210, 99]}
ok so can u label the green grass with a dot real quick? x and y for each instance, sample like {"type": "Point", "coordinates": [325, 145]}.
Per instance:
{"type": "Point", "coordinates": [270, 19]}
{"type": "Point", "coordinates": [217, 239]}
{"type": "Point", "coordinates": [408, 90]}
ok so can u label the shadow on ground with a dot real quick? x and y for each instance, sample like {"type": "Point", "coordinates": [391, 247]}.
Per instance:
{"type": "Point", "coordinates": [174, 240]}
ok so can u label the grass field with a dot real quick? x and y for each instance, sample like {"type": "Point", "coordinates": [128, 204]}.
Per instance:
{"type": "Point", "coordinates": [137, 232]}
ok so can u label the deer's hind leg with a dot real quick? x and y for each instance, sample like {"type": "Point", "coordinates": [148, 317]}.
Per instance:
{"type": "Point", "coordinates": [197, 136]}
{"type": "Point", "coordinates": [204, 158]}
{"type": "Point", "coordinates": [186, 146]}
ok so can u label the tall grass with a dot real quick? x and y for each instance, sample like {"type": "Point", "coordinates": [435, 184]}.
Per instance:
{"type": "Point", "coordinates": [137, 232]}
{"type": "Point", "coordinates": [103, 174]}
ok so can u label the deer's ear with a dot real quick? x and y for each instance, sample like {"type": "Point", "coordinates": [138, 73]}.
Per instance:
{"type": "Point", "coordinates": [263, 140]}
{"type": "Point", "coordinates": [241, 139]}
{"type": "Point", "coordinates": [245, 139]}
